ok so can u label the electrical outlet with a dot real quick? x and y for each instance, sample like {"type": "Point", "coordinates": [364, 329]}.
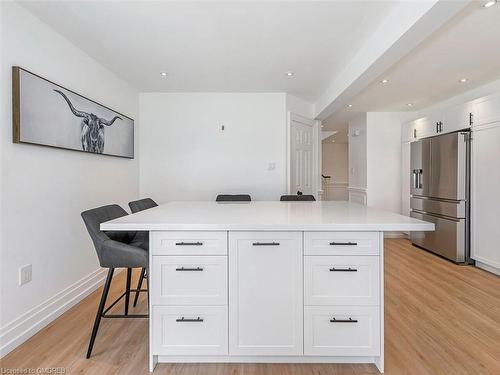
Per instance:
{"type": "Point", "coordinates": [25, 274]}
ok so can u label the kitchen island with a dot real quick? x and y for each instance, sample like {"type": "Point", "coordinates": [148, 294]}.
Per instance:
{"type": "Point", "coordinates": [266, 281]}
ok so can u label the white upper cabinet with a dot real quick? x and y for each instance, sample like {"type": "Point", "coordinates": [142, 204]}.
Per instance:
{"type": "Point", "coordinates": [408, 132]}
{"type": "Point", "coordinates": [486, 110]}
{"type": "Point", "coordinates": [443, 121]}
{"type": "Point", "coordinates": [426, 126]}
{"type": "Point", "coordinates": [456, 118]}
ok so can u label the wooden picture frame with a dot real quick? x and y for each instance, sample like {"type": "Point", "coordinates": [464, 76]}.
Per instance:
{"type": "Point", "coordinates": [48, 114]}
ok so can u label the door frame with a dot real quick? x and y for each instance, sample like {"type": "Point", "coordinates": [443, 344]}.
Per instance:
{"type": "Point", "coordinates": [316, 167]}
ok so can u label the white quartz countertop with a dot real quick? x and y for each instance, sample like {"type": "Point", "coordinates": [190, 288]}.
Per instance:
{"type": "Point", "coordinates": [267, 216]}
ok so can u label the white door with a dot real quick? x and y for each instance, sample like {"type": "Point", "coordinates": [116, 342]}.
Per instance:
{"type": "Point", "coordinates": [265, 293]}
{"type": "Point", "coordinates": [302, 149]}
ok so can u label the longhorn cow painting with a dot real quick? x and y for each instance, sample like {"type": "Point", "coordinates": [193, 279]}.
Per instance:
{"type": "Point", "coordinates": [45, 113]}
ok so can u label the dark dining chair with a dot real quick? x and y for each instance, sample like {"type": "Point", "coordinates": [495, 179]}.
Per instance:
{"type": "Point", "coordinates": [137, 206]}
{"type": "Point", "coordinates": [233, 198]}
{"type": "Point", "coordinates": [115, 249]}
{"type": "Point", "coordinates": [297, 198]}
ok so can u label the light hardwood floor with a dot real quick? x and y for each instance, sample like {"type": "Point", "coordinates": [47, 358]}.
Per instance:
{"type": "Point", "coordinates": [440, 319]}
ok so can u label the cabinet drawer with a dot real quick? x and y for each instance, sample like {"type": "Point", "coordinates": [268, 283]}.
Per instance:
{"type": "Point", "coordinates": [191, 330]}
{"type": "Point", "coordinates": [341, 243]}
{"type": "Point", "coordinates": [189, 243]}
{"type": "Point", "coordinates": [341, 280]}
{"type": "Point", "coordinates": [189, 280]}
{"type": "Point", "coordinates": [341, 331]}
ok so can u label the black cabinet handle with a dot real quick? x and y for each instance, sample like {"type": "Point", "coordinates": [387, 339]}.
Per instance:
{"type": "Point", "coordinates": [184, 320]}
{"type": "Point", "coordinates": [343, 243]}
{"type": "Point", "coordinates": [350, 320]}
{"type": "Point", "coordinates": [437, 127]}
{"type": "Point", "coordinates": [189, 243]}
{"type": "Point", "coordinates": [333, 269]}
{"type": "Point", "coordinates": [266, 244]}
{"type": "Point", "coordinates": [189, 269]}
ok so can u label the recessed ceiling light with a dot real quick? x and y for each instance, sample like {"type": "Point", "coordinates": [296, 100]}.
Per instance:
{"type": "Point", "coordinates": [384, 81]}
{"type": "Point", "coordinates": [463, 80]}
{"type": "Point", "coordinates": [349, 105]}
{"type": "Point", "coordinates": [164, 74]}
{"type": "Point", "coordinates": [289, 74]}
{"type": "Point", "coordinates": [489, 3]}
{"type": "Point", "coordinates": [409, 104]}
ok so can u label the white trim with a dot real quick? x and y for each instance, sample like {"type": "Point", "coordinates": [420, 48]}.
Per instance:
{"type": "Point", "coordinates": [488, 268]}
{"type": "Point", "coordinates": [301, 119]}
{"type": "Point", "coordinates": [380, 361]}
{"type": "Point", "coordinates": [21, 329]}
{"type": "Point", "coordinates": [265, 359]}
{"type": "Point", "coordinates": [357, 189]}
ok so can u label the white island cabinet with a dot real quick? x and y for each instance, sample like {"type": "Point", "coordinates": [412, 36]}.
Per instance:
{"type": "Point", "coordinates": [261, 282]}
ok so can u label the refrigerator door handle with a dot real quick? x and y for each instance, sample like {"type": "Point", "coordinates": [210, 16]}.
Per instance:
{"type": "Point", "coordinates": [419, 179]}
{"type": "Point", "coordinates": [415, 178]}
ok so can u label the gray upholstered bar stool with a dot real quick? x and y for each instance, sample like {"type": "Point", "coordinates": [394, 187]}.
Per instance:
{"type": "Point", "coordinates": [114, 250]}
{"type": "Point", "coordinates": [136, 206]}
{"type": "Point", "coordinates": [296, 198]}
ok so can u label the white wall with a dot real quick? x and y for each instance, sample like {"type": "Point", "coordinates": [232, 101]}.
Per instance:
{"type": "Point", "coordinates": [184, 155]}
{"type": "Point", "coordinates": [477, 92]}
{"type": "Point", "coordinates": [299, 106]}
{"type": "Point", "coordinates": [45, 189]}
{"type": "Point", "coordinates": [384, 159]}
{"type": "Point", "coordinates": [357, 152]}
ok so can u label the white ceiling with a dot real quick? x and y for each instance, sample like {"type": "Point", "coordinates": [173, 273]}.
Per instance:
{"type": "Point", "coordinates": [218, 46]}
{"type": "Point", "coordinates": [466, 47]}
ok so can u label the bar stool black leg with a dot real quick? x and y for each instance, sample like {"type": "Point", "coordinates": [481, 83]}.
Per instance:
{"type": "Point", "coordinates": [127, 290]}
{"type": "Point", "coordinates": [139, 285]}
{"type": "Point", "coordinates": [100, 310]}
{"type": "Point", "coordinates": [147, 280]}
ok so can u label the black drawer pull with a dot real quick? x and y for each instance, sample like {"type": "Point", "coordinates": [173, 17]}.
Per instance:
{"type": "Point", "coordinates": [266, 244]}
{"type": "Point", "coordinates": [189, 269]}
{"type": "Point", "coordinates": [333, 269]}
{"type": "Point", "coordinates": [189, 243]}
{"type": "Point", "coordinates": [350, 320]}
{"type": "Point", "coordinates": [343, 243]}
{"type": "Point", "coordinates": [184, 320]}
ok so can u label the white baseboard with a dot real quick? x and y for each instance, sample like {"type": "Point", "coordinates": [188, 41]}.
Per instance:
{"type": "Point", "coordinates": [488, 268]}
{"type": "Point", "coordinates": [21, 329]}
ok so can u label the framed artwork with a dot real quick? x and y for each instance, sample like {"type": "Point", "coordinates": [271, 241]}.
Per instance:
{"type": "Point", "coordinates": [47, 114]}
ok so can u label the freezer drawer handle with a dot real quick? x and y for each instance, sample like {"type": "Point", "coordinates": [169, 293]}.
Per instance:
{"type": "Point", "coordinates": [333, 269]}
{"type": "Point", "coordinates": [184, 320]}
{"type": "Point", "coordinates": [189, 269]}
{"type": "Point", "coordinates": [266, 244]}
{"type": "Point", "coordinates": [350, 320]}
{"type": "Point", "coordinates": [189, 243]}
{"type": "Point", "coordinates": [343, 243]}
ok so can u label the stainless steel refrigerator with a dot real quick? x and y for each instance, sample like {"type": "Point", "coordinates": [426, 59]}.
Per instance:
{"type": "Point", "coordinates": [440, 193]}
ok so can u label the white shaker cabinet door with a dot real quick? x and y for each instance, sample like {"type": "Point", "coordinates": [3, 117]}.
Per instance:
{"type": "Point", "coordinates": [265, 293]}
